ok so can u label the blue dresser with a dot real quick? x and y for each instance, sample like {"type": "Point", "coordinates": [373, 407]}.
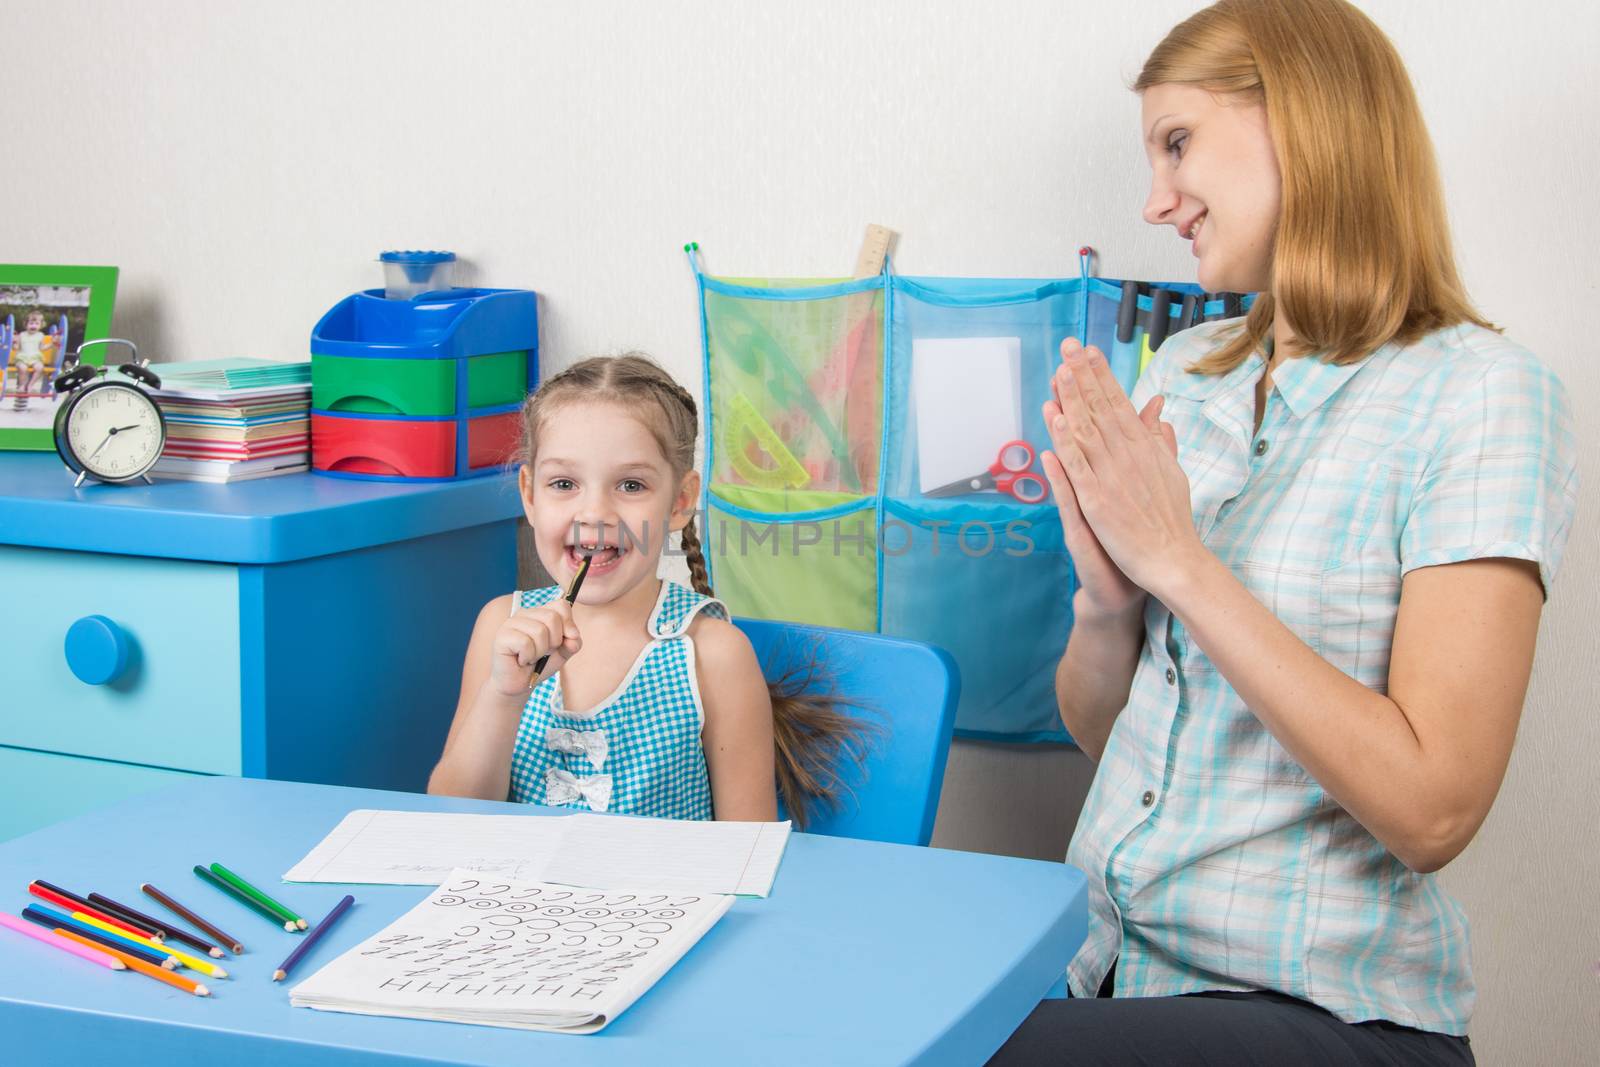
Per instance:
{"type": "Point", "coordinates": [296, 627]}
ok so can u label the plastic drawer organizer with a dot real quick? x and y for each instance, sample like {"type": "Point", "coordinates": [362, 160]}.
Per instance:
{"type": "Point", "coordinates": [850, 430]}
{"type": "Point", "coordinates": [424, 388]}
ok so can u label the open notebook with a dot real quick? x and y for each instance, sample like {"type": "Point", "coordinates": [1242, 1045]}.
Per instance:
{"type": "Point", "coordinates": [529, 955]}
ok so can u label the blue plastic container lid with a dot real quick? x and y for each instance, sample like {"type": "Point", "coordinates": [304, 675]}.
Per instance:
{"type": "Point", "coordinates": [417, 256]}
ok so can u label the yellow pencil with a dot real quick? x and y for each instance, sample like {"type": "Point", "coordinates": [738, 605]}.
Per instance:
{"type": "Point", "coordinates": [194, 963]}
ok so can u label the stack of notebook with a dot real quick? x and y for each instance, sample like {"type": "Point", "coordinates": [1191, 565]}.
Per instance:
{"type": "Point", "coordinates": [233, 419]}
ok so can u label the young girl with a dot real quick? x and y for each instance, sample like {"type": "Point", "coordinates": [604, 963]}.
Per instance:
{"type": "Point", "coordinates": [652, 702]}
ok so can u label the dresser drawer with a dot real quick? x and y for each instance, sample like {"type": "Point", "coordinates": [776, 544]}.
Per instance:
{"type": "Point", "coordinates": [174, 702]}
{"type": "Point", "coordinates": [39, 788]}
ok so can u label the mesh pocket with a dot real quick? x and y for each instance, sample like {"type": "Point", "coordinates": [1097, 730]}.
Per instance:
{"type": "Point", "coordinates": [993, 586]}
{"type": "Point", "coordinates": [796, 387]}
{"type": "Point", "coordinates": [796, 556]}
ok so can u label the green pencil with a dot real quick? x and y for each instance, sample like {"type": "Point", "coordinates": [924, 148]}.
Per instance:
{"type": "Point", "coordinates": [247, 901]}
{"type": "Point", "coordinates": [239, 883]}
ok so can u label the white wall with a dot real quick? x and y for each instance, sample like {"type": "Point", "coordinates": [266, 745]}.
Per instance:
{"type": "Point", "coordinates": [243, 164]}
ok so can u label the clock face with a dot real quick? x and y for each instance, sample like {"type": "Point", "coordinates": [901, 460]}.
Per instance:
{"type": "Point", "coordinates": [115, 431]}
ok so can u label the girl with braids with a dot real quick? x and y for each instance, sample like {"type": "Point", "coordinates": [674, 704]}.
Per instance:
{"type": "Point", "coordinates": [651, 702]}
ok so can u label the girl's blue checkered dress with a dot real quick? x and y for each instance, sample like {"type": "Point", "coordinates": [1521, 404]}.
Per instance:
{"type": "Point", "coordinates": [638, 751]}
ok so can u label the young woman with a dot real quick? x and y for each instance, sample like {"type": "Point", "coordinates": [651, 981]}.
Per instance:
{"type": "Point", "coordinates": [1311, 569]}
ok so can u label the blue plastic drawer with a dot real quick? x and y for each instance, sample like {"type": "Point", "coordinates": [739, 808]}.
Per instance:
{"type": "Point", "coordinates": [176, 701]}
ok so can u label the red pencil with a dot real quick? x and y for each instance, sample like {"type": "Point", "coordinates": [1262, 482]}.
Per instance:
{"type": "Point", "coordinates": [72, 902]}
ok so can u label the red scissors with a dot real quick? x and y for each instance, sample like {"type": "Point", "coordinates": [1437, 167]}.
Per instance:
{"type": "Point", "coordinates": [1008, 474]}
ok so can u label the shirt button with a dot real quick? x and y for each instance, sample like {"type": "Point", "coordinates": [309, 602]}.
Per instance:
{"type": "Point", "coordinates": [1148, 799]}
{"type": "Point", "coordinates": [1261, 447]}
{"type": "Point", "coordinates": [1172, 676]}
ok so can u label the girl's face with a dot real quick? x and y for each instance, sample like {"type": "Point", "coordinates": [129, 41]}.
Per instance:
{"type": "Point", "coordinates": [600, 486]}
{"type": "Point", "coordinates": [35, 322]}
{"type": "Point", "coordinates": [1214, 178]}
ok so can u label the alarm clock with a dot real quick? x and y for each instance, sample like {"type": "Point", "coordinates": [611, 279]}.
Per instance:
{"type": "Point", "coordinates": [109, 427]}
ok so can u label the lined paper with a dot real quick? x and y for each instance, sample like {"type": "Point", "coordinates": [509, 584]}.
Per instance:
{"type": "Point", "coordinates": [422, 848]}
{"type": "Point", "coordinates": [595, 851]}
{"type": "Point", "coordinates": [678, 856]}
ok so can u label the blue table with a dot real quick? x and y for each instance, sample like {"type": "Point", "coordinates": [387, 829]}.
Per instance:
{"type": "Point", "coordinates": [865, 953]}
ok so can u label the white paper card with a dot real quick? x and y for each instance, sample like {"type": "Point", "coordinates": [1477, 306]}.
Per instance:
{"type": "Point", "coordinates": [967, 392]}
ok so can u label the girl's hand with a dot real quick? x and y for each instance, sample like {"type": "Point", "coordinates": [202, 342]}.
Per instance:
{"type": "Point", "coordinates": [525, 637]}
{"type": "Point", "coordinates": [1124, 500]}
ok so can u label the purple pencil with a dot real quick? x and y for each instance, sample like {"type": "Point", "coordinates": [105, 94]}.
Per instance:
{"type": "Point", "coordinates": [312, 938]}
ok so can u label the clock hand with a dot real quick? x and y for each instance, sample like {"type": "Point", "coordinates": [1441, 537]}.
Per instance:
{"type": "Point", "coordinates": [98, 447]}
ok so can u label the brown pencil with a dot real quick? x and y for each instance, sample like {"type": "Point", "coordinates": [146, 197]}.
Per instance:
{"type": "Point", "coordinates": [184, 913]}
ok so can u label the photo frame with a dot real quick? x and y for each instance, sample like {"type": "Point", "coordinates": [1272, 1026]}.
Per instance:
{"type": "Point", "coordinates": [46, 314]}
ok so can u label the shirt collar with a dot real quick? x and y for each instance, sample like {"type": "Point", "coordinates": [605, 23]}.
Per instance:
{"type": "Point", "coordinates": [1305, 383]}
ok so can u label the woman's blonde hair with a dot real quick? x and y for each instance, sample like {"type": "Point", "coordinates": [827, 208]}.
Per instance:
{"type": "Point", "coordinates": [816, 739]}
{"type": "Point", "coordinates": [1362, 255]}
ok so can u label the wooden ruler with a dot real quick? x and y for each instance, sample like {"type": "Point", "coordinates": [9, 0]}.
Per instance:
{"type": "Point", "coordinates": [875, 246]}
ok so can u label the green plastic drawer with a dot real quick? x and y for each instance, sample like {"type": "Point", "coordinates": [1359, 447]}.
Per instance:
{"type": "Point", "coordinates": [40, 788]}
{"type": "Point", "coordinates": [498, 379]}
{"type": "Point", "coordinates": [414, 386]}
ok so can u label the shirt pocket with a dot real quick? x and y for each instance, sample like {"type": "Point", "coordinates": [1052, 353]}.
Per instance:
{"type": "Point", "coordinates": [1314, 525]}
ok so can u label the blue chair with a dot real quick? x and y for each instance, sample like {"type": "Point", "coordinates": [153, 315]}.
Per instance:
{"type": "Point", "coordinates": [909, 689]}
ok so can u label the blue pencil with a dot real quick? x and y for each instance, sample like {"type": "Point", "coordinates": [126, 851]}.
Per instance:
{"type": "Point", "coordinates": [55, 920]}
{"type": "Point", "coordinates": [312, 938]}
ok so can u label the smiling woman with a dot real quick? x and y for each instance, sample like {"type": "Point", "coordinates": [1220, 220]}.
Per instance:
{"type": "Point", "coordinates": [1270, 540]}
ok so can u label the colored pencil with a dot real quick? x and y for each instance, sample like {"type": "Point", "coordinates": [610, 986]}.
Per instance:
{"type": "Point", "coordinates": [56, 940]}
{"type": "Point", "coordinates": [73, 902]}
{"type": "Point", "coordinates": [194, 963]}
{"type": "Point", "coordinates": [239, 883]}
{"type": "Point", "coordinates": [51, 919]}
{"type": "Point", "coordinates": [232, 943]}
{"type": "Point", "coordinates": [177, 934]}
{"type": "Point", "coordinates": [245, 899]}
{"type": "Point", "coordinates": [186, 984]}
{"type": "Point", "coordinates": [311, 939]}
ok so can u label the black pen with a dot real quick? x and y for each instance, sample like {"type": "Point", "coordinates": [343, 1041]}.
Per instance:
{"type": "Point", "coordinates": [570, 598]}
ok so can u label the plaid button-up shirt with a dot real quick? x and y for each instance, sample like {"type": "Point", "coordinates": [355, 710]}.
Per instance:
{"type": "Point", "coordinates": [1214, 860]}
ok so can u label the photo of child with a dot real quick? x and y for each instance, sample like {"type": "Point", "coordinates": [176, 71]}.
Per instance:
{"type": "Point", "coordinates": [41, 327]}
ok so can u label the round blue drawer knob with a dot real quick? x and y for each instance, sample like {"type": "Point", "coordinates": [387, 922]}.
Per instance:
{"type": "Point", "coordinates": [97, 649]}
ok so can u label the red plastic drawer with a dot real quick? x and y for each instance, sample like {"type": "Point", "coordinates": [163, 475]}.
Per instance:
{"type": "Point", "coordinates": [493, 440]}
{"type": "Point", "coordinates": [410, 448]}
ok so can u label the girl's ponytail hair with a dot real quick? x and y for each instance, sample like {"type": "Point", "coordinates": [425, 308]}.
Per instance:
{"type": "Point", "coordinates": [817, 739]}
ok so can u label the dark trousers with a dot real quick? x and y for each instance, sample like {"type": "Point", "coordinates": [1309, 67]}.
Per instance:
{"type": "Point", "coordinates": [1225, 1029]}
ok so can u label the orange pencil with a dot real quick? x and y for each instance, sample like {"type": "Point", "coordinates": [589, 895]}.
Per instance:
{"type": "Point", "coordinates": [146, 969]}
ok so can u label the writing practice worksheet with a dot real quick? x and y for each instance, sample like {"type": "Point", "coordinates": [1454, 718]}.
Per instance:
{"type": "Point", "coordinates": [530, 955]}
